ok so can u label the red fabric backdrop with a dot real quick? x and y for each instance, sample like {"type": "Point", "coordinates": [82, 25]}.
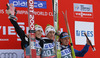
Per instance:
{"type": "Point", "coordinates": [45, 19]}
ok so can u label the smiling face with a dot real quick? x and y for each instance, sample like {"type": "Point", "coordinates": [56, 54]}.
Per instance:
{"type": "Point", "coordinates": [38, 33]}
{"type": "Point", "coordinates": [51, 35]}
{"type": "Point", "coordinates": [65, 41]}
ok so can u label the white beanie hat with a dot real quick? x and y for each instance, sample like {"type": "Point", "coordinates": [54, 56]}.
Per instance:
{"type": "Point", "coordinates": [49, 28]}
{"type": "Point", "coordinates": [38, 27]}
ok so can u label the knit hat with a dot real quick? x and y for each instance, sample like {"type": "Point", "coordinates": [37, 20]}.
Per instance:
{"type": "Point", "coordinates": [49, 28]}
{"type": "Point", "coordinates": [38, 27]}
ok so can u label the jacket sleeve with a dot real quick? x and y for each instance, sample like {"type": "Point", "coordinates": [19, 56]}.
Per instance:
{"type": "Point", "coordinates": [21, 34]}
{"type": "Point", "coordinates": [82, 52]}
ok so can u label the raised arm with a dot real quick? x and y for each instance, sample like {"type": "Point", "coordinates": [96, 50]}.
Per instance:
{"type": "Point", "coordinates": [20, 32]}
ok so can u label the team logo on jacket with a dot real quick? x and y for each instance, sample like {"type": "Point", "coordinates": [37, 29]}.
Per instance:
{"type": "Point", "coordinates": [48, 50]}
{"type": "Point", "coordinates": [66, 53]}
{"type": "Point", "coordinates": [48, 46]}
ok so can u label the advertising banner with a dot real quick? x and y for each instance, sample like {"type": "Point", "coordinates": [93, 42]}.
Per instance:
{"type": "Point", "coordinates": [80, 29]}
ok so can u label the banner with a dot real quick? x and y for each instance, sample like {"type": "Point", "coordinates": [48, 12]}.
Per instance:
{"type": "Point", "coordinates": [80, 29]}
{"type": "Point", "coordinates": [11, 53]}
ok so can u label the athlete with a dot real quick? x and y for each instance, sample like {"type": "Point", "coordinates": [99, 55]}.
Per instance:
{"type": "Point", "coordinates": [66, 49]}
{"type": "Point", "coordinates": [47, 43]}
{"type": "Point", "coordinates": [25, 38]}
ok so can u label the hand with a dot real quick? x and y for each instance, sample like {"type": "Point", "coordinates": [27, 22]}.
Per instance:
{"type": "Point", "coordinates": [8, 12]}
{"type": "Point", "coordinates": [58, 32]}
{"type": "Point", "coordinates": [88, 42]}
{"type": "Point", "coordinates": [11, 9]}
